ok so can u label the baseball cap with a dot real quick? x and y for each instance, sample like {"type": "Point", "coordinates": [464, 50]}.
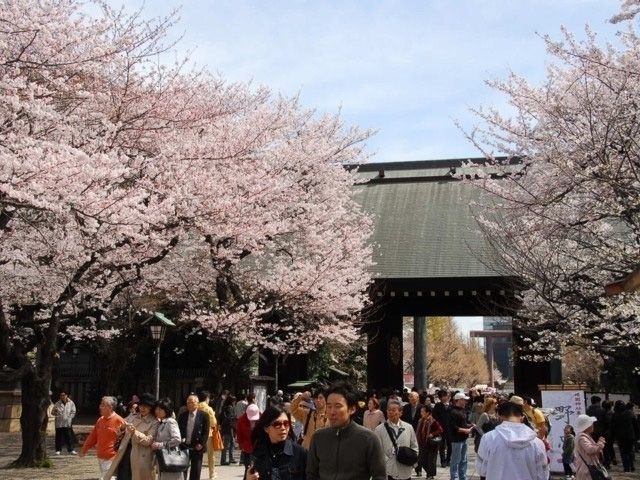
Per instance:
{"type": "Point", "coordinates": [253, 412]}
{"type": "Point", "coordinates": [460, 396]}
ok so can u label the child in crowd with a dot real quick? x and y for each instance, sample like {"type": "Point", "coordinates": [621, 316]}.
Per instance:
{"type": "Point", "coordinates": [567, 451]}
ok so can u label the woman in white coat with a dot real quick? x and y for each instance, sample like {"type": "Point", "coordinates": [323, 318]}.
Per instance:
{"type": "Point", "coordinates": [168, 434]}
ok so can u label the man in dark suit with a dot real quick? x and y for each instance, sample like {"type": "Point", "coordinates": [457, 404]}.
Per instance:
{"type": "Point", "coordinates": [194, 430]}
{"type": "Point", "coordinates": [596, 410]}
{"type": "Point", "coordinates": [442, 414]}
{"type": "Point", "coordinates": [411, 414]}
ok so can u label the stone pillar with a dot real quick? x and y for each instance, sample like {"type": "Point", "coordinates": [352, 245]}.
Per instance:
{"type": "Point", "coordinates": [489, 348]}
{"type": "Point", "coordinates": [420, 353]}
{"type": "Point", "coordinates": [10, 408]}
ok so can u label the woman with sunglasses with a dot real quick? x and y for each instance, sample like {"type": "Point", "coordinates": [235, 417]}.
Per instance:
{"type": "Point", "coordinates": [276, 456]}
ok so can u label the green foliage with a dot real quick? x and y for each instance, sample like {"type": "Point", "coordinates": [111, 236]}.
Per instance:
{"type": "Point", "coordinates": [351, 359]}
{"type": "Point", "coordinates": [44, 463]}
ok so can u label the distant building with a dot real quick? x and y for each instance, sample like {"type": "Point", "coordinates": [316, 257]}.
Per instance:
{"type": "Point", "coordinates": [502, 346]}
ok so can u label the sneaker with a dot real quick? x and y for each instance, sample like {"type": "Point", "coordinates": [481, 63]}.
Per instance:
{"type": "Point", "coordinates": [58, 452]}
{"type": "Point", "coordinates": [73, 452]}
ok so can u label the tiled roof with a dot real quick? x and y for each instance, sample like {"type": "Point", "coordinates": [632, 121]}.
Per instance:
{"type": "Point", "coordinates": [424, 226]}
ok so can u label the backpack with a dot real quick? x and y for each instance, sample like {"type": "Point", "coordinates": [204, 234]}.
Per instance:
{"type": "Point", "coordinates": [490, 424]}
{"type": "Point", "coordinates": [228, 417]}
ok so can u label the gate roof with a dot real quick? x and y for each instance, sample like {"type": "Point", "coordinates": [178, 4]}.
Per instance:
{"type": "Point", "coordinates": [423, 221]}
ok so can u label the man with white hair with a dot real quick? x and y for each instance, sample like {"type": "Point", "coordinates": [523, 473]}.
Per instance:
{"type": "Point", "coordinates": [411, 414]}
{"type": "Point", "coordinates": [104, 434]}
{"type": "Point", "coordinates": [194, 430]}
{"type": "Point", "coordinates": [393, 435]}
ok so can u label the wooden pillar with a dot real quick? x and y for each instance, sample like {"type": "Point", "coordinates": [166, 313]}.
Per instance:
{"type": "Point", "coordinates": [420, 353]}
{"type": "Point", "coordinates": [527, 375]}
{"type": "Point", "coordinates": [384, 353]}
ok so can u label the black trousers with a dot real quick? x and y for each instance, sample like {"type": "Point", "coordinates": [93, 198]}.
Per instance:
{"type": "Point", "coordinates": [445, 444]}
{"type": "Point", "coordinates": [196, 465]}
{"type": "Point", "coordinates": [626, 454]}
{"type": "Point", "coordinates": [64, 436]}
{"type": "Point", "coordinates": [608, 452]}
{"type": "Point", "coordinates": [428, 458]}
{"type": "Point", "coordinates": [124, 467]}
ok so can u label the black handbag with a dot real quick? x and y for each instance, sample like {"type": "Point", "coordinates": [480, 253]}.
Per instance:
{"type": "Point", "coordinates": [434, 443]}
{"type": "Point", "coordinates": [596, 470]}
{"type": "Point", "coordinates": [404, 455]}
{"type": "Point", "coordinates": [172, 459]}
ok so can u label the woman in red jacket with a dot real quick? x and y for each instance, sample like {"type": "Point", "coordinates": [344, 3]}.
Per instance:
{"type": "Point", "coordinates": [429, 437]}
{"type": "Point", "coordinates": [243, 431]}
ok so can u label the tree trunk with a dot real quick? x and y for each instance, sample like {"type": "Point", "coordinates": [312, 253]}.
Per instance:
{"type": "Point", "coordinates": [33, 421]}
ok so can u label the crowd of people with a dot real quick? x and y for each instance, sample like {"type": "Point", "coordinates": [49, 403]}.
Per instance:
{"type": "Point", "coordinates": [340, 433]}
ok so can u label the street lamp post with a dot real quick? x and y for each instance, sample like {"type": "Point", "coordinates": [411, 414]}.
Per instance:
{"type": "Point", "coordinates": [158, 325]}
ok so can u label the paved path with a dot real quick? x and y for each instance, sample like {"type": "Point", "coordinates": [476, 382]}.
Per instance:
{"type": "Point", "coordinates": [71, 467]}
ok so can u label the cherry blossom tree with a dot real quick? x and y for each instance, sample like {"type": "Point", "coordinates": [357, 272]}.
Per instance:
{"type": "Point", "coordinates": [123, 179]}
{"type": "Point", "coordinates": [562, 210]}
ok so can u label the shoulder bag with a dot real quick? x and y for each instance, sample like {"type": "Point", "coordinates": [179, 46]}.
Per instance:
{"type": "Point", "coordinates": [216, 440]}
{"type": "Point", "coordinates": [596, 470]}
{"type": "Point", "coordinates": [404, 455]}
{"type": "Point", "coordinates": [172, 459]}
{"type": "Point", "coordinates": [304, 430]}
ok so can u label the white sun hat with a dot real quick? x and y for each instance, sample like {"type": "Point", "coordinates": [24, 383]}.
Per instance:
{"type": "Point", "coordinates": [583, 422]}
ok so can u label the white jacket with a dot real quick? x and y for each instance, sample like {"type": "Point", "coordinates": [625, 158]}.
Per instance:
{"type": "Point", "coordinates": [407, 438]}
{"type": "Point", "coordinates": [512, 451]}
{"type": "Point", "coordinates": [64, 413]}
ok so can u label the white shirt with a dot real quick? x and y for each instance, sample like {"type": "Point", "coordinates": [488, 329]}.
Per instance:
{"type": "Point", "coordinates": [191, 420]}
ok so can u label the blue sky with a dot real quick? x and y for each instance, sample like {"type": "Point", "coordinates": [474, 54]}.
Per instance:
{"type": "Point", "coordinates": [407, 69]}
{"type": "Point", "coordinates": [466, 324]}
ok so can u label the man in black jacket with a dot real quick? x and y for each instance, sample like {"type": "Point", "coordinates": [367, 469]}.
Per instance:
{"type": "Point", "coordinates": [194, 430]}
{"type": "Point", "coordinates": [459, 431]}
{"type": "Point", "coordinates": [442, 412]}
{"type": "Point", "coordinates": [596, 410]}
{"type": "Point", "coordinates": [344, 450]}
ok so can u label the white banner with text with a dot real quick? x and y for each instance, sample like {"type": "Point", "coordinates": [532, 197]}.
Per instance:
{"type": "Point", "coordinates": [566, 405]}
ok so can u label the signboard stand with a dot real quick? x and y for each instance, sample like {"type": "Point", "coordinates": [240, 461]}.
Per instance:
{"type": "Point", "coordinates": [564, 403]}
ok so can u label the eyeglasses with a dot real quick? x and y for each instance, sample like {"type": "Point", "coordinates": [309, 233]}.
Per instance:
{"type": "Point", "coordinates": [280, 424]}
